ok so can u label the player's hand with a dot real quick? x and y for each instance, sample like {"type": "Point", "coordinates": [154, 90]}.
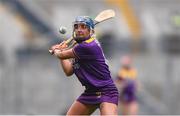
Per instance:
{"type": "Point", "coordinates": [58, 47]}
{"type": "Point", "coordinates": [63, 45]}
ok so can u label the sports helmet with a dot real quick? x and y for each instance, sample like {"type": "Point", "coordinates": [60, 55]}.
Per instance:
{"type": "Point", "coordinates": [86, 20]}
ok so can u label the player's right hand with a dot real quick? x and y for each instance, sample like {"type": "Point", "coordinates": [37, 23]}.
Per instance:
{"type": "Point", "coordinates": [58, 47]}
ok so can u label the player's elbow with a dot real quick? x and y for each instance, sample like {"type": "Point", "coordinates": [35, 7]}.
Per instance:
{"type": "Point", "coordinates": [69, 74]}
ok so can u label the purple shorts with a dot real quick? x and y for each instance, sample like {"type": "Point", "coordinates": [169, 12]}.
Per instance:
{"type": "Point", "coordinates": [109, 95]}
{"type": "Point", "coordinates": [128, 93]}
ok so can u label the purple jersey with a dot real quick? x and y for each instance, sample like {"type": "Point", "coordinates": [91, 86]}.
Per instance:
{"type": "Point", "coordinates": [89, 65]}
{"type": "Point", "coordinates": [93, 73]}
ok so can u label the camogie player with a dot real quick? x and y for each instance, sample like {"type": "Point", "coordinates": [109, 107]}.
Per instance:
{"type": "Point", "coordinates": [127, 84]}
{"type": "Point", "coordinates": [88, 64]}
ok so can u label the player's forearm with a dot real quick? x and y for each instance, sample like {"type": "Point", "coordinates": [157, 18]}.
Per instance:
{"type": "Point", "coordinates": [67, 67]}
{"type": "Point", "coordinates": [64, 54]}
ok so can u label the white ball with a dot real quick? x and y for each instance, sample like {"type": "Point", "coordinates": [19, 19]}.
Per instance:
{"type": "Point", "coordinates": [62, 30]}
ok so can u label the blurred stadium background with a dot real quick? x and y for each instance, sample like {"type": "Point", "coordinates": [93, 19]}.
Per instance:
{"type": "Point", "coordinates": [31, 81]}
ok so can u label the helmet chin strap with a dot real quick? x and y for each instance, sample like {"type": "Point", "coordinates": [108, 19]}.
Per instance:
{"type": "Point", "coordinates": [80, 39]}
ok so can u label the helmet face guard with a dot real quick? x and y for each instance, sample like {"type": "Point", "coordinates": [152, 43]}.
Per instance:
{"type": "Point", "coordinates": [85, 20]}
